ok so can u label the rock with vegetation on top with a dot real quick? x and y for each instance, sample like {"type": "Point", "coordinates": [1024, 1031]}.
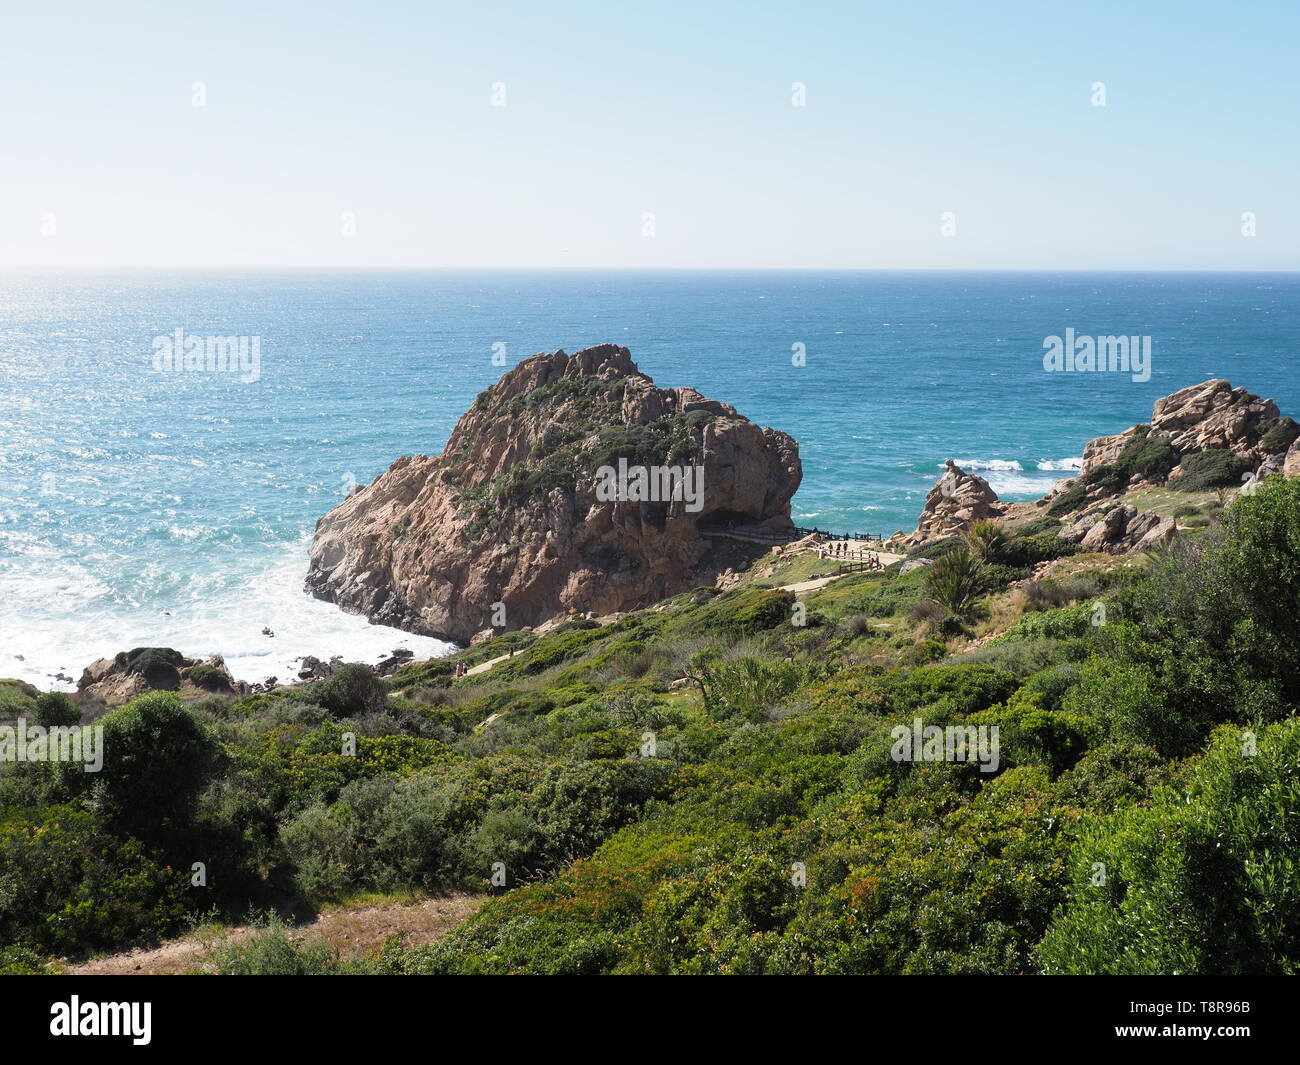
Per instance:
{"type": "Point", "coordinates": [1209, 435]}
{"type": "Point", "coordinates": [130, 674]}
{"type": "Point", "coordinates": [508, 514]}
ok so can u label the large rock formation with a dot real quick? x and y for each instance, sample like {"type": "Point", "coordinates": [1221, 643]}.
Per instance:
{"type": "Point", "coordinates": [509, 512]}
{"type": "Point", "coordinates": [133, 673]}
{"type": "Point", "coordinates": [957, 500]}
{"type": "Point", "coordinates": [1211, 416]}
{"type": "Point", "coordinates": [1122, 528]}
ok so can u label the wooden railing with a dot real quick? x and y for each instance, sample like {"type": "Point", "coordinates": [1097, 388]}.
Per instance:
{"type": "Point", "coordinates": [862, 566]}
{"type": "Point", "coordinates": [871, 537]}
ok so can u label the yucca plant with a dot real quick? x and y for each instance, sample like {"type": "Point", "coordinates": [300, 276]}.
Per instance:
{"type": "Point", "coordinates": [988, 541]}
{"type": "Point", "coordinates": [955, 580]}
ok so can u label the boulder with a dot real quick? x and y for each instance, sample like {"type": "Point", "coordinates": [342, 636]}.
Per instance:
{"type": "Point", "coordinates": [130, 674]}
{"type": "Point", "coordinates": [1121, 528]}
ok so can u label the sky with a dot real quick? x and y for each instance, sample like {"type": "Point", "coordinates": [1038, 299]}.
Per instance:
{"type": "Point", "coordinates": [665, 135]}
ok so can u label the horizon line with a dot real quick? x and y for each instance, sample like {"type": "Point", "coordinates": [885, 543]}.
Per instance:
{"type": "Point", "coordinates": [353, 268]}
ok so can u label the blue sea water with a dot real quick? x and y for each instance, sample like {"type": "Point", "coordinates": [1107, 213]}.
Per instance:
{"type": "Point", "coordinates": [140, 507]}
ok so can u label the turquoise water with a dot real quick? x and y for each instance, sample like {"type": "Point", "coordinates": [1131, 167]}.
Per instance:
{"type": "Point", "coordinates": [144, 507]}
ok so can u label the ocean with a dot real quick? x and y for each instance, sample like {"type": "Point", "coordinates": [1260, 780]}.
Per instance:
{"type": "Point", "coordinates": [140, 506]}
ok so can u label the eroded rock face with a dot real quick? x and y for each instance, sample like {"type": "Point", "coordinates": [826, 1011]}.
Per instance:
{"type": "Point", "coordinates": [1213, 416]}
{"type": "Point", "coordinates": [1122, 528]}
{"type": "Point", "coordinates": [508, 513]}
{"type": "Point", "coordinates": [957, 500]}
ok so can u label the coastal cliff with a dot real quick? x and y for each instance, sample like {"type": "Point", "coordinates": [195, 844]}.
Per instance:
{"type": "Point", "coordinates": [507, 529]}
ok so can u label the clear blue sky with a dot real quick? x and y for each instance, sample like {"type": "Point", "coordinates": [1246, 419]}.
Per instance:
{"type": "Point", "coordinates": [384, 109]}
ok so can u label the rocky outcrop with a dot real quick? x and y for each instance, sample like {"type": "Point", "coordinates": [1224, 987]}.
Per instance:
{"type": "Point", "coordinates": [1246, 433]}
{"type": "Point", "coordinates": [1214, 416]}
{"type": "Point", "coordinates": [1291, 461]}
{"type": "Point", "coordinates": [1122, 528]}
{"type": "Point", "coordinates": [957, 500]}
{"type": "Point", "coordinates": [130, 674]}
{"type": "Point", "coordinates": [1211, 416]}
{"type": "Point", "coordinates": [506, 528]}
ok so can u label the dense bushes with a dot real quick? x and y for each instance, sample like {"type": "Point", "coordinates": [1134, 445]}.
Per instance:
{"type": "Point", "coordinates": [157, 758]}
{"type": "Point", "coordinates": [436, 831]}
{"type": "Point", "coordinates": [1209, 469]}
{"type": "Point", "coordinates": [1210, 634]}
{"type": "Point", "coordinates": [707, 787]}
{"type": "Point", "coordinates": [68, 883]}
{"type": "Point", "coordinates": [1205, 880]}
{"type": "Point", "coordinates": [352, 691]}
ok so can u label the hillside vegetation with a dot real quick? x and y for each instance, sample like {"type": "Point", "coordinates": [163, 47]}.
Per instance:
{"type": "Point", "coordinates": [710, 785]}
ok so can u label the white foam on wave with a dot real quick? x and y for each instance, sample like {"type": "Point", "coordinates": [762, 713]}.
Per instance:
{"type": "Point", "coordinates": [1028, 484]}
{"type": "Point", "coordinates": [63, 623]}
{"type": "Point", "coordinates": [1075, 463]}
{"type": "Point", "coordinates": [986, 464]}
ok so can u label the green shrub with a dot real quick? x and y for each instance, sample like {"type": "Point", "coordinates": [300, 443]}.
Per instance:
{"type": "Point", "coordinates": [750, 613]}
{"type": "Point", "coordinates": [17, 699]}
{"type": "Point", "coordinates": [750, 684]}
{"type": "Point", "coordinates": [272, 950]}
{"type": "Point", "coordinates": [1280, 435]}
{"type": "Point", "coordinates": [1204, 881]}
{"type": "Point", "coordinates": [967, 688]}
{"type": "Point", "coordinates": [353, 691]}
{"type": "Point", "coordinates": [208, 678]}
{"type": "Point", "coordinates": [157, 758]}
{"type": "Point", "coordinates": [55, 708]}
{"type": "Point", "coordinates": [69, 885]}
{"type": "Point", "coordinates": [955, 580]}
{"type": "Point", "coordinates": [19, 961]}
{"type": "Point", "coordinates": [1209, 469]}
{"type": "Point", "coordinates": [159, 666]}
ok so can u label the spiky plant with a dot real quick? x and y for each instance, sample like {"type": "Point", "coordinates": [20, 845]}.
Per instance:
{"type": "Point", "coordinates": [955, 580]}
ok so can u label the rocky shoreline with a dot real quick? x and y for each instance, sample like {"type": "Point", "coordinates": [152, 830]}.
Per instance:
{"type": "Point", "coordinates": [393, 548]}
{"type": "Point", "coordinates": [1209, 436]}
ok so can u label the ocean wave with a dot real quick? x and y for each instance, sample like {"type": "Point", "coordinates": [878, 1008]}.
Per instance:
{"type": "Point", "coordinates": [986, 464]}
{"type": "Point", "coordinates": [1027, 485]}
{"type": "Point", "coordinates": [70, 621]}
{"type": "Point", "coordinates": [1061, 464]}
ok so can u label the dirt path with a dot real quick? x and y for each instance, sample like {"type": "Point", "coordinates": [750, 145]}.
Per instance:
{"type": "Point", "coordinates": [483, 667]}
{"type": "Point", "coordinates": [811, 585]}
{"type": "Point", "coordinates": [350, 930]}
